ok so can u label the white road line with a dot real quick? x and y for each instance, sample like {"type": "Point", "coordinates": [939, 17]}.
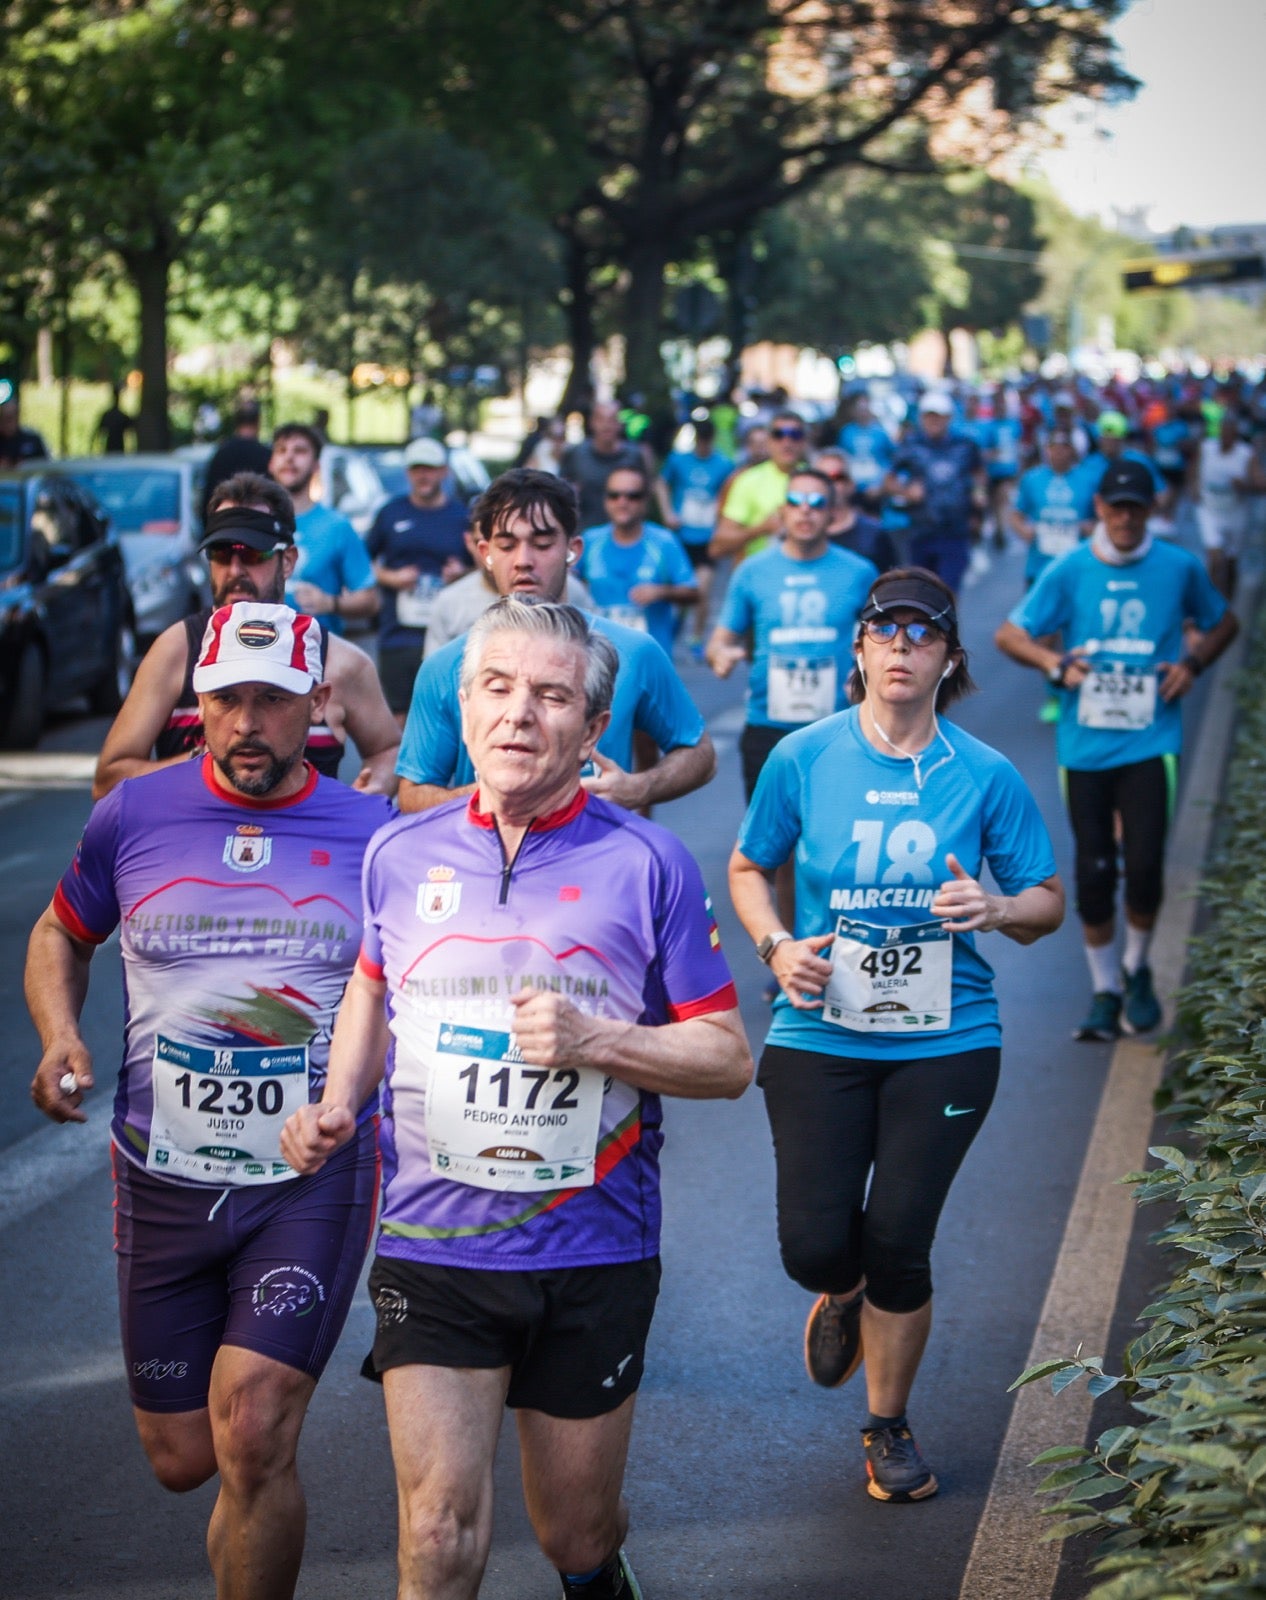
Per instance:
{"type": "Point", "coordinates": [52, 769]}
{"type": "Point", "coordinates": [1007, 1557]}
{"type": "Point", "coordinates": [40, 1167]}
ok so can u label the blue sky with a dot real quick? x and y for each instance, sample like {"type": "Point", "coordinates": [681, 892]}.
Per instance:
{"type": "Point", "coordinates": [1189, 146]}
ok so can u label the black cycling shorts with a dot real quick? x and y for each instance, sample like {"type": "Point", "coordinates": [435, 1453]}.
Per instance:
{"type": "Point", "coordinates": [1142, 795]}
{"type": "Point", "coordinates": [574, 1338]}
{"type": "Point", "coordinates": [841, 1124]}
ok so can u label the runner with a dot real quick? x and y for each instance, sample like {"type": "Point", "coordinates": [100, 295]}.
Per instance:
{"type": "Point", "coordinates": [589, 464]}
{"type": "Point", "coordinates": [869, 448]}
{"type": "Point", "coordinates": [798, 604]}
{"type": "Point", "coordinates": [1227, 475]}
{"type": "Point", "coordinates": [848, 527]}
{"type": "Point", "coordinates": [1054, 507]}
{"type": "Point", "coordinates": [636, 571]}
{"type": "Point", "coordinates": [1121, 602]}
{"type": "Point", "coordinates": [883, 1056]}
{"type": "Point", "coordinates": [333, 577]}
{"type": "Point", "coordinates": [235, 884]}
{"type": "Point", "coordinates": [751, 508]}
{"type": "Point", "coordinates": [688, 487]}
{"type": "Point", "coordinates": [526, 537]}
{"type": "Point", "coordinates": [249, 545]}
{"type": "Point", "coordinates": [557, 971]}
{"type": "Point", "coordinates": [939, 476]}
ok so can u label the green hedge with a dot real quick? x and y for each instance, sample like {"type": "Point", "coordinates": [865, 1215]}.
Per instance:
{"type": "Point", "coordinates": [1180, 1495]}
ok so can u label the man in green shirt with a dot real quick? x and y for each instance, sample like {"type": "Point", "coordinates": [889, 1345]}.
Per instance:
{"type": "Point", "coordinates": [752, 512]}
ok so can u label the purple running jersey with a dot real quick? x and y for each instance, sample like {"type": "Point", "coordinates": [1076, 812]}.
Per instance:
{"type": "Point", "coordinates": [239, 924]}
{"type": "Point", "coordinates": [489, 1162]}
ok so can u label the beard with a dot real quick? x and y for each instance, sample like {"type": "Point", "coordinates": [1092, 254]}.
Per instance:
{"type": "Point", "coordinates": [244, 587]}
{"type": "Point", "coordinates": [261, 783]}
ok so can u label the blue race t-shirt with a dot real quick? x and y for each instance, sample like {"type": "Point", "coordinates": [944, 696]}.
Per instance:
{"type": "Point", "coordinates": [648, 695]}
{"type": "Point", "coordinates": [694, 482]}
{"type": "Point", "coordinates": [803, 617]}
{"type": "Point", "coordinates": [1129, 620]}
{"type": "Point", "coordinates": [612, 570]}
{"type": "Point", "coordinates": [331, 556]}
{"type": "Point", "coordinates": [870, 842]}
{"type": "Point", "coordinates": [869, 449]}
{"type": "Point", "coordinates": [1057, 503]}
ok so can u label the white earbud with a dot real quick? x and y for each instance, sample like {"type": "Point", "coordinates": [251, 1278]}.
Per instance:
{"type": "Point", "coordinates": [948, 671]}
{"type": "Point", "coordinates": [571, 556]}
{"type": "Point", "coordinates": [488, 563]}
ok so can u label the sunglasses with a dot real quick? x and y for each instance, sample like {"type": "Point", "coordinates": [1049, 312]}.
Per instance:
{"type": "Point", "coordinates": [835, 477]}
{"type": "Point", "coordinates": [786, 433]}
{"type": "Point", "coordinates": [626, 494]}
{"type": "Point", "coordinates": [815, 501]}
{"type": "Point", "coordinates": [222, 554]}
{"type": "Point", "coordinates": [920, 634]}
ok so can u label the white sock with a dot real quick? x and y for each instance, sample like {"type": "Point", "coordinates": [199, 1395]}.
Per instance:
{"type": "Point", "coordinates": [1105, 975]}
{"type": "Point", "coordinates": [1136, 943]}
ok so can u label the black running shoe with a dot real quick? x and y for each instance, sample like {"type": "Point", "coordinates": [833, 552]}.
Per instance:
{"type": "Point", "coordinates": [895, 1469]}
{"type": "Point", "coordinates": [614, 1582]}
{"type": "Point", "coordinates": [833, 1340]}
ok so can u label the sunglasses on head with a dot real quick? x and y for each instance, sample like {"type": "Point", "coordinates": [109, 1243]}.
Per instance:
{"type": "Point", "coordinates": [883, 630]}
{"type": "Point", "coordinates": [814, 499]}
{"type": "Point", "coordinates": [786, 433]}
{"type": "Point", "coordinates": [626, 494]}
{"type": "Point", "coordinates": [247, 554]}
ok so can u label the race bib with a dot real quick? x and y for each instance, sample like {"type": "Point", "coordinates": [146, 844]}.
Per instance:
{"type": "Point", "coordinates": [1115, 698]}
{"type": "Point", "coordinates": [414, 606]}
{"type": "Point", "coordinates": [698, 509]}
{"type": "Point", "coordinates": [218, 1114]}
{"type": "Point", "coordinates": [627, 616]}
{"type": "Point", "coordinates": [890, 980]}
{"type": "Point", "coordinates": [802, 688]}
{"type": "Point", "coordinates": [494, 1122]}
{"type": "Point", "coordinates": [1056, 538]}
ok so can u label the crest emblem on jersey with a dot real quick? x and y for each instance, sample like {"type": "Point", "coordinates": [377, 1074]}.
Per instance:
{"type": "Point", "coordinates": [247, 849]}
{"type": "Point", "coordinates": [440, 896]}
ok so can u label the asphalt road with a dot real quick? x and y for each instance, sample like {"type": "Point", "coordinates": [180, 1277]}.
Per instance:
{"type": "Point", "coordinates": [744, 1480]}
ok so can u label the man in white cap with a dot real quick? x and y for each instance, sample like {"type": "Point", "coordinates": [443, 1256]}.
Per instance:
{"type": "Point", "coordinates": [417, 544]}
{"type": "Point", "coordinates": [234, 881]}
{"type": "Point", "coordinates": [940, 473]}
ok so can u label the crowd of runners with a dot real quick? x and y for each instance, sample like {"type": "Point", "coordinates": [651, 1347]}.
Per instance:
{"type": "Point", "coordinates": [487, 990]}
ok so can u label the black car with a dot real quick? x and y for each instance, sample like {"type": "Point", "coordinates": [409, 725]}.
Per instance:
{"type": "Point", "coordinates": [66, 626]}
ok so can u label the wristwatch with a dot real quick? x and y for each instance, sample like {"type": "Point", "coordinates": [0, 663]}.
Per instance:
{"type": "Point", "coordinates": [1055, 674]}
{"type": "Point", "coordinates": [770, 943]}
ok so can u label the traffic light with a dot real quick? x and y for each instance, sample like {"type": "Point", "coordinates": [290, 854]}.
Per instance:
{"type": "Point", "coordinates": [1176, 272]}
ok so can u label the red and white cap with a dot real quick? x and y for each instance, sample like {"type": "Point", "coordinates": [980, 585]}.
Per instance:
{"type": "Point", "coordinates": [251, 642]}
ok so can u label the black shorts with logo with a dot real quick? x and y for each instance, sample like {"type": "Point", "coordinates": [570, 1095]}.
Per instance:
{"type": "Point", "coordinates": [574, 1338]}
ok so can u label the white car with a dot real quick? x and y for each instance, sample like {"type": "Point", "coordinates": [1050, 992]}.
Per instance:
{"type": "Point", "coordinates": [151, 502]}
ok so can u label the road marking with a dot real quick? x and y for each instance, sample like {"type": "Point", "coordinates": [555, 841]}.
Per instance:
{"type": "Point", "coordinates": [38, 1168]}
{"type": "Point", "coordinates": [1007, 1556]}
{"type": "Point", "coordinates": [40, 769]}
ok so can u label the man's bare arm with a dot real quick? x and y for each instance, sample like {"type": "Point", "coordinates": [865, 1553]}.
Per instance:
{"type": "Point", "coordinates": [129, 745]}
{"type": "Point", "coordinates": [368, 717]}
{"type": "Point", "coordinates": [57, 967]}
{"type": "Point", "coordinates": [423, 796]}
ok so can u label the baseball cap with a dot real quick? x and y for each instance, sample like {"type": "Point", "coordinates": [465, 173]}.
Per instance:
{"type": "Point", "coordinates": [258, 530]}
{"type": "Point", "coordinates": [251, 642]}
{"type": "Point", "coordinates": [1113, 423]}
{"type": "Point", "coordinates": [1127, 481]}
{"type": "Point", "coordinates": [425, 453]}
{"type": "Point", "coordinates": [915, 594]}
{"type": "Point", "coordinates": [939, 404]}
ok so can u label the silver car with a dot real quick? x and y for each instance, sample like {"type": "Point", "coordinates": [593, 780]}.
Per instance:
{"type": "Point", "coordinates": [151, 503]}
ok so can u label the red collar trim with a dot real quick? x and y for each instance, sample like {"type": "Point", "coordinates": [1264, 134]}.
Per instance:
{"type": "Point", "coordinates": [546, 824]}
{"type": "Point", "coordinates": [246, 802]}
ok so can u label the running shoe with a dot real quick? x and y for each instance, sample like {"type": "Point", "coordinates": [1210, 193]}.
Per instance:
{"type": "Point", "coordinates": [614, 1582]}
{"type": "Point", "coordinates": [1142, 1008]}
{"type": "Point", "coordinates": [895, 1468]}
{"type": "Point", "coordinates": [833, 1340]}
{"type": "Point", "coordinates": [1103, 1020]}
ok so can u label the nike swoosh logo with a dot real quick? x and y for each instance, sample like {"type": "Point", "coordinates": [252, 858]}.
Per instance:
{"type": "Point", "coordinates": [959, 1111]}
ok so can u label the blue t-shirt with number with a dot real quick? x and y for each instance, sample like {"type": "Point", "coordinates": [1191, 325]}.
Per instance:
{"type": "Point", "coordinates": [802, 616]}
{"type": "Point", "coordinates": [1056, 502]}
{"type": "Point", "coordinates": [870, 834]}
{"type": "Point", "coordinates": [1129, 621]}
{"type": "Point", "coordinates": [694, 482]}
{"type": "Point", "coordinates": [869, 450]}
{"type": "Point", "coordinates": [612, 570]}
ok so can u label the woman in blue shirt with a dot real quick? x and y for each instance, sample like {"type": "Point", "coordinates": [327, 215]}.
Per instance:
{"type": "Point", "coordinates": [884, 1051]}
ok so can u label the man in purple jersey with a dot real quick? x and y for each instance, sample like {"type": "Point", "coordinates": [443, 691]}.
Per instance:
{"type": "Point", "coordinates": [235, 883]}
{"type": "Point", "coordinates": [550, 967]}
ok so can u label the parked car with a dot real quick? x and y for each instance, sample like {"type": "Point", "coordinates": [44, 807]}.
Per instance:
{"type": "Point", "coordinates": [66, 623]}
{"type": "Point", "coordinates": [151, 503]}
{"type": "Point", "coordinates": [349, 481]}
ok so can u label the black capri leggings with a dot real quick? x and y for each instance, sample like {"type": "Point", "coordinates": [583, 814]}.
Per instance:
{"type": "Point", "coordinates": [1142, 794]}
{"type": "Point", "coordinates": [905, 1125]}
